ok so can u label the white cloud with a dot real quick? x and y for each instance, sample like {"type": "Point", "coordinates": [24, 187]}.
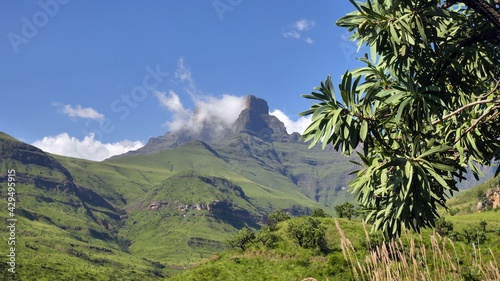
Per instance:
{"type": "Point", "coordinates": [183, 74]}
{"type": "Point", "coordinates": [296, 30]}
{"type": "Point", "coordinates": [79, 111]}
{"type": "Point", "coordinates": [304, 24]}
{"type": "Point", "coordinates": [216, 113]}
{"type": "Point", "coordinates": [298, 126]}
{"type": "Point", "coordinates": [88, 148]}
{"type": "Point", "coordinates": [172, 102]}
{"type": "Point", "coordinates": [309, 40]}
{"type": "Point", "coordinates": [291, 34]}
{"type": "Point", "coordinates": [174, 105]}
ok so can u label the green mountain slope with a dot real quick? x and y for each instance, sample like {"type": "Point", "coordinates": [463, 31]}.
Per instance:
{"type": "Point", "coordinates": [63, 229]}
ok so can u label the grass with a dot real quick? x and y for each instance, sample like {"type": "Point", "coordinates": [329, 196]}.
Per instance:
{"type": "Point", "coordinates": [46, 252]}
{"type": "Point", "coordinates": [355, 254]}
{"type": "Point", "coordinates": [412, 258]}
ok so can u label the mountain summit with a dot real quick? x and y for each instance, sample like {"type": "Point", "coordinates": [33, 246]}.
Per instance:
{"type": "Point", "coordinates": [254, 120]}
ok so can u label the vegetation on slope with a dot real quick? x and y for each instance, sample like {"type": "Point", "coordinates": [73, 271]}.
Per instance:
{"type": "Point", "coordinates": [351, 253]}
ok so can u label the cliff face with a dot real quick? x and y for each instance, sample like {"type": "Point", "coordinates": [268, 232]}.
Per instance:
{"type": "Point", "coordinates": [255, 120]}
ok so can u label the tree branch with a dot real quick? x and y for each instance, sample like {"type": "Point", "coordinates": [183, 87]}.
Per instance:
{"type": "Point", "coordinates": [448, 116]}
{"type": "Point", "coordinates": [480, 6]}
{"type": "Point", "coordinates": [487, 35]}
{"type": "Point", "coordinates": [476, 123]}
{"type": "Point", "coordinates": [485, 9]}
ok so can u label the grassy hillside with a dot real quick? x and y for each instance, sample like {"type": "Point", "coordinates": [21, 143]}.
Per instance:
{"type": "Point", "coordinates": [425, 257]}
{"type": "Point", "coordinates": [186, 218]}
{"type": "Point", "coordinates": [62, 230]}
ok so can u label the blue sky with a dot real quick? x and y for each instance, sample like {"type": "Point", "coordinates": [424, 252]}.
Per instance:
{"type": "Point", "coordinates": [93, 78]}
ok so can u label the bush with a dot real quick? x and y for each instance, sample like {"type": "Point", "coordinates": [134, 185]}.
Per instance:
{"type": "Point", "coordinates": [375, 239]}
{"type": "Point", "coordinates": [443, 227]}
{"type": "Point", "coordinates": [241, 240]}
{"type": "Point", "coordinates": [308, 232]}
{"type": "Point", "coordinates": [267, 238]}
{"type": "Point", "coordinates": [275, 217]}
{"type": "Point", "coordinates": [453, 211]}
{"type": "Point", "coordinates": [454, 236]}
{"type": "Point", "coordinates": [346, 210]}
{"type": "Point", "coordinates": [320, 213]}
{"type": "Point", "coordinates": [483, 225]}
{"type": "Point", "coordinates": [474, 236]}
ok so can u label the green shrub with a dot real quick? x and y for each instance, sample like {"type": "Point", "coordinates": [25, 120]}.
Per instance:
{"type": "Point", "coordinates": [375, 239]}
{"type": "Point", "coordinates": [483, 225]}
{"type": "Point", "coordinates": [453, 211]}
{"type": "Point", "coordinates": [346, 210]}
{"type": "Point", "coordinates": [443, 227]}
{"type": "Point", "coordinates": [474, 236]}
{"type": "Point", "coordinates": [308, 232]}
{"type": "Point", "coordinates": [241, 240]}
{"type": "Point", "coordinates": [320, 213]}
{"type": "Point", "coordinates": [267, 238]}
{"type": "Point", "coordinates": [275, 217]}
{"type": "Point", "coordinates": [454, 236]}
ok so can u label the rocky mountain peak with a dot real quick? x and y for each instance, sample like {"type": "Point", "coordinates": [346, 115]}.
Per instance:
{"type": "Point", "coordinates": [257, 105]}
{"type": "Point", "coordinates": [255, 119]}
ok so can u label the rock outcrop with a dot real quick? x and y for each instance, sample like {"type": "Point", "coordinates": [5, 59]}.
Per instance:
{"type": "Point", "coordinates": [255, 119]}
{"type": "Point", "coordinates": [493, 197]}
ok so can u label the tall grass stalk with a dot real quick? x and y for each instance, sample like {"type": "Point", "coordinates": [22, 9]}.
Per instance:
{"type": "Point", "coordinates": [410, 258]}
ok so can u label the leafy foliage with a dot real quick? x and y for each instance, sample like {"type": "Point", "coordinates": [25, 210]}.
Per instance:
{"type": "Point", "coordinates": [320, 213]}
{"type": "Point", "coordinates": [355, 254]}
{"type": "Point", "coordinates": [308, 232]}
{"type": "Point", "coordinates": [443, 227]}
{"type": "Point", "coordinates": [424, 107]}
{"type": "Point", "coordinates": [275, 217]}
{"type": "Point", "coordinates": [346, 210]}
{"type": "Point", "coordinates": [242, 239]}
{"type": "Point", "coordinates": [267, 237]}
{"type": "Point", "coordinates": [474, 235]}
{"type": "Point", "coordinates": [483, 225]}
